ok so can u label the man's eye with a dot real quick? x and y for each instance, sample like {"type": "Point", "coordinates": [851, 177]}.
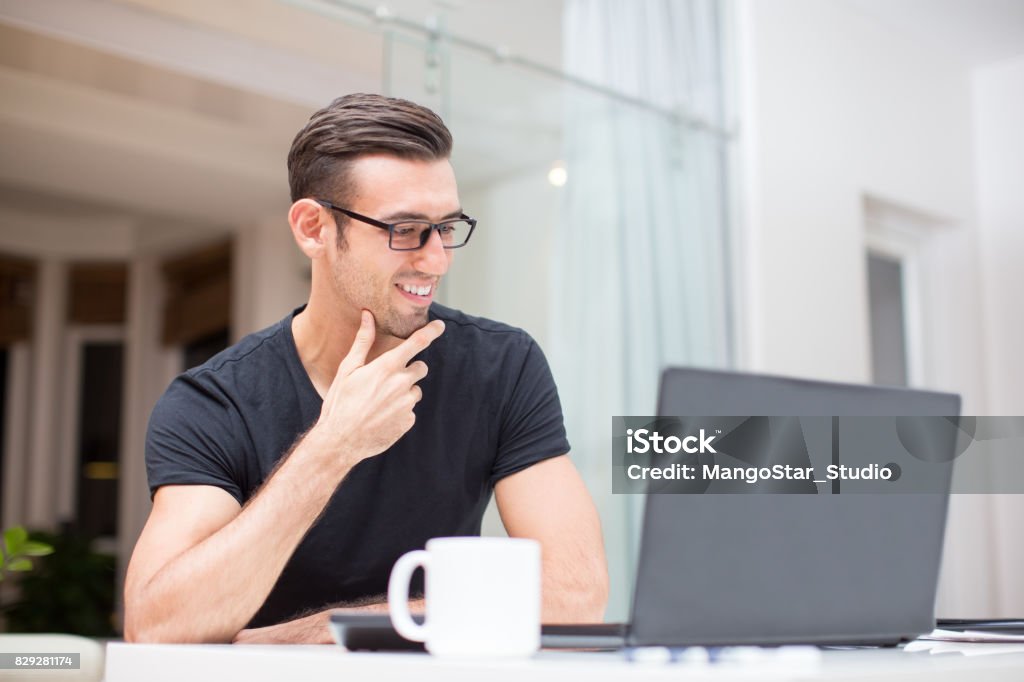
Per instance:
{"type": "Point", "coordinates": [404, 230]}
{"type": "Point", "coordinates": [447, 229]}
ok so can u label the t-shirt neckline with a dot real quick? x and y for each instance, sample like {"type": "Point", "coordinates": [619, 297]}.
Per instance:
{"type": "Point", "coordinates": [296, 360]}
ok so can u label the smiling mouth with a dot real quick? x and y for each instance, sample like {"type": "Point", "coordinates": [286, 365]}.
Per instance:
{"type": "Point", "coordinates": [417, 293]}
{"type": "Point", "coordinates": [415, 290]}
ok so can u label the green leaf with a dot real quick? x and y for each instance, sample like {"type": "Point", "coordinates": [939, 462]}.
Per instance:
{"type": "Point", "coordinates": [14, 539]}
{"type": "Point", "coordinates": [33, 548]}
{"type": "Point", "coordinates": [21, 564]}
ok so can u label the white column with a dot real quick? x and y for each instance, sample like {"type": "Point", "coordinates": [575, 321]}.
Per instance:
{"type": "Point", "coordinates": [269, 275]}
{"type": "Point", "coordinates": [47, 379]}
{"type": "Point", "coordinates": [998, 91]}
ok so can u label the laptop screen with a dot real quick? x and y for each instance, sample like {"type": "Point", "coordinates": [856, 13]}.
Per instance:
{"type": "Point", "coordinates": [720, 569]}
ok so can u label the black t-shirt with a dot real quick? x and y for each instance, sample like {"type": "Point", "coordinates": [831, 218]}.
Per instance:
{"type": "Point", "coordinates": [489, 409]}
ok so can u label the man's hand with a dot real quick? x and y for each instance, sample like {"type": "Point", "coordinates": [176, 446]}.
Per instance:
{"type": "Point", "coordinates": [369, 406]}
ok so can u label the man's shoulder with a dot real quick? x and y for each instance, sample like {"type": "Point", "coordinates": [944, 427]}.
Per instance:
{"type": "Point", "coordinates": [463, 324]}
{"type": "Point", "coordinates": [488, 350]}
{"type": "Point", "coordinates": [261, 351]}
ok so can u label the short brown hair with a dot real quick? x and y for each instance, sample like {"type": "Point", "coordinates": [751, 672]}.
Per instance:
{"type": "Point", "coordinates": [356, 125]}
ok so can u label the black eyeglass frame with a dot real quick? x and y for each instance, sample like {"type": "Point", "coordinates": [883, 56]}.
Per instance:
{"type": "Point", "coordinates": [390, 227]}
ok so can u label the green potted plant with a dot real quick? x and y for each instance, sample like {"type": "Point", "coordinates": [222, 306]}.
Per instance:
{"type": "Point", "coordinates": [69, 590]}
{"type": "Point", "coordinates": [16, 550]}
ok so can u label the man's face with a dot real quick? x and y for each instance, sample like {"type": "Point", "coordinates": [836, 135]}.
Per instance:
{"type": "Point", "coordinates": [366, 273]}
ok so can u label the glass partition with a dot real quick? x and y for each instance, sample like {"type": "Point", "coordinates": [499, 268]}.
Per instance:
{"type": "Point", "coordinates": [603, 231]}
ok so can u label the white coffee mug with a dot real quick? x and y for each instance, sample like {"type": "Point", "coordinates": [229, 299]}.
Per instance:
{"type": "Point", "coordinates": [482, 596]}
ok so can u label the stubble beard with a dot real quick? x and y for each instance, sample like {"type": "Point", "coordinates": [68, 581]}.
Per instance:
{"type": "Point", "coordinates": [375, 296]}
{"type": "Point", "coordinates": [400, 326]}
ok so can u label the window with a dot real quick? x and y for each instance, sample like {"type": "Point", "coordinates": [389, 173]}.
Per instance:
{"type": "Point", "coordinates": [98, 442]}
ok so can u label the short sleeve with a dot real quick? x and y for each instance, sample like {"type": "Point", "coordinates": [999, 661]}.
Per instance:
{"type": "Point", "coordinates": [191, 440]}
{"type": "Point", "coordinates": [532, 428]}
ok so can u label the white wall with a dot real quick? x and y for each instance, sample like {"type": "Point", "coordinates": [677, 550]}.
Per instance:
{"type": "Point", "coordinates": [838, 109]}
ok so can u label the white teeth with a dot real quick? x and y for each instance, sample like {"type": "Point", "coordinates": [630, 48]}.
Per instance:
{"type": "Point", "coordinates": [418, 291]}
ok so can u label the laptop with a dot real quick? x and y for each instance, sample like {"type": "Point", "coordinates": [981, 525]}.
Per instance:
{"type": "Point", "coordinates": [770, 569]}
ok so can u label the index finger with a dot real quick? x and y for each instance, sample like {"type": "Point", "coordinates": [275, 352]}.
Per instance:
{"type": "Point", "coordinates": [417, 342]}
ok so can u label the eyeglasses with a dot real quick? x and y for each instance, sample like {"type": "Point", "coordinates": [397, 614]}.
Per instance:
{"type": "Point", "coordinates": [410, 235]}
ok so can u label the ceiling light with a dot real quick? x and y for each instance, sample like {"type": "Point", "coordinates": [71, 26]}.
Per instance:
{"type": "Point", "coordinates": [557, 176]}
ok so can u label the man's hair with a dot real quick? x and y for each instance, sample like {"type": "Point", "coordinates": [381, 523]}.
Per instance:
{"type": "Point", "coordinates": [356, 125]}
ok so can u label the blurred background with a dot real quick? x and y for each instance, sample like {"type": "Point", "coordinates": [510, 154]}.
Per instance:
{"type": "Point", "coordinates": [828, 189]}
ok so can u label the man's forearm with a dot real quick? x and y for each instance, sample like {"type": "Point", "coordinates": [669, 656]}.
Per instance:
{"type": "Point", "coordinates": [209, 592]}
{"type": "Point", "coordinates": [308, 630]}
{"type": "Point", "coordinates": [576, 594]}
{"type": "Point", "coordinates": [549, 503]}
{"type": "Point", "coordinates": [312, 629]}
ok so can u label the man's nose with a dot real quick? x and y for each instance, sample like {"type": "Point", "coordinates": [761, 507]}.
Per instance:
{"type": "Point", "coordinates": [433, 258]}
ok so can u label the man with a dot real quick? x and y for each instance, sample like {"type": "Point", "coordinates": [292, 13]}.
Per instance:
{"type": "Point", "coordinates": [290, 471]}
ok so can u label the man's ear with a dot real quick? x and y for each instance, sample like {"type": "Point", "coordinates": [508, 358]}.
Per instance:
{"type": "Point", "coordinates": [310, 227]}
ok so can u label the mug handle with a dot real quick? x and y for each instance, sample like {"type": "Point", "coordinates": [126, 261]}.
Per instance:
{"type": "Point", "coordinates": [398, 595]}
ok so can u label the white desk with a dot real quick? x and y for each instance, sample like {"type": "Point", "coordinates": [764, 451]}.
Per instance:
{"type": "Point", "coordinates": [194, 663]}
